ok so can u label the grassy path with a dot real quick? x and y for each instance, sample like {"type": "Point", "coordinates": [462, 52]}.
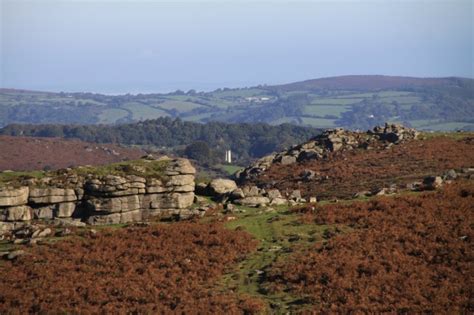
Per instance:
{"type": "Point", "coordinates": [279, 233]}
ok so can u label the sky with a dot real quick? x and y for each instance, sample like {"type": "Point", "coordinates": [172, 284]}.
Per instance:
{"type": "Point", "coordinates": [118, 47]}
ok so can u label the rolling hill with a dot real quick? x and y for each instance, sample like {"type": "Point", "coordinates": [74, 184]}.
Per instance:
{"type": "Point", "coordinates": [356, 102]}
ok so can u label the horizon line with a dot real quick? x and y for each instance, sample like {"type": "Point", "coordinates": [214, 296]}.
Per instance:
{"type": "Point", "coordinates": [235, 88]}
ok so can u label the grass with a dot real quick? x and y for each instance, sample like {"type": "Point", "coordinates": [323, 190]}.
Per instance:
{"type": "Point", "coordinates": [229, 168]}
{"type": "Point", "coordinates": [422, 122]}
{"type": "Point", "coordinates": [8, 177]}
{"type": "Point", "coordinates": [111, 115]}
{"type": "Point", "coordinates": [239, 93]}
{"type": "Point", "coordinates": [335, 101]}
{"type": "Point", "coordinates": [401, 99]}
{"type": "Point", "coordinates": [220, 105]}
{"type": "Point", "coordinates": [452, 135]}
{"type": "Point", "coordinates": [187, 98]}
{"type": "Point", "coordinates": [180, 106]}
{"type": "Point", "coordinates": [382, 94]}
{"type": "Point", "coordinates": [322, 110]}
{"type": "Point", "coordinates": [279, 232]}
{"type": "Point", "coordinates": [137, 167]}
{"type": "Point", "coordinates": [141, 111]}
{"type": "Point", "coordinates": [438, 126]}
{"type": "Point", "coordinates": [144, 168]}
{"type": "Point", "coordinates": [219, 102]}
{"type": "Point", "coordinates": [447, 126]}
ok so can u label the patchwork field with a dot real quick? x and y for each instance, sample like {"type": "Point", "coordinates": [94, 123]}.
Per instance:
{"type": "Point", "coordinates": [356, 102]}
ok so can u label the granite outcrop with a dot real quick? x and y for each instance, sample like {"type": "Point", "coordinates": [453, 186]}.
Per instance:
{"type": "Point", "coordinates": [75, 195]}
{"type": "Point", "coordinates": [328, 143]}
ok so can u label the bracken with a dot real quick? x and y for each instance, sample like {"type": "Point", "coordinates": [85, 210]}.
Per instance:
{"type": "Point", "coordinates": [157, 269]}
{"type": "Point", "coordinates": [346, 173]}
{"type": "Point", "coordinates": [409, 254]}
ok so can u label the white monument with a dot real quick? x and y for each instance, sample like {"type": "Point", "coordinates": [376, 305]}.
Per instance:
{"type": "Point", "coordinates": [228, 156]}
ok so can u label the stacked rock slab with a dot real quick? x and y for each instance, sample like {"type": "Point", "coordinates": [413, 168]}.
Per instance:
{"type": "Point", "coordinates": [120, 199]}
{"type": "Point", "coordinates": [173, 196]}
{"type": "Point", "coordinates": [95, 199]}
{"type": "Point", "coordinates": [112, 199]}
{"type": "Point", "coordinates": [52, 202]}
{"type": "Point", "coordinates": [13, 209]}
{"type": "Point", "coordinates": [331, 140]}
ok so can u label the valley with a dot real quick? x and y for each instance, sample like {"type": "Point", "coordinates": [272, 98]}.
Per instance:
{"type": "Point", "coordinates": [356, 102]}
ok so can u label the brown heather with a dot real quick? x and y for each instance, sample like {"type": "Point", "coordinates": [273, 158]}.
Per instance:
{"type": "Point", "coordinates": [409, 254]}
{"type": "Point", "coordinates": [353, 171]}
{"type": "Point", "coordinates": [30, 153]}
{"type": "Point", "coordinates": [157, 269]}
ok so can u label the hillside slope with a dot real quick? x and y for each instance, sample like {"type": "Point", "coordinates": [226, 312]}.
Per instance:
{"type": "Point", "coordinates": [357, 102]}
{"type": "Point", "coordinates": [368, 83]}
{"type": "Point", "coordinates": [29, 153]}
{"type": "Point", "coordinates": [405, 250]}
{"type": "Point", "coordinates": [339, 164]}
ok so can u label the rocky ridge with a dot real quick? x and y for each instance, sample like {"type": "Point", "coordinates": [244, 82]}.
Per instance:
{"type": "Point", "coordinates": [227, 193]}
{"type": "Point", "coordinates": [256, 188]}
{"type": "Point", "coordinates": [76, 197]}
{"type": "Point", "coordinates": [330, 141]}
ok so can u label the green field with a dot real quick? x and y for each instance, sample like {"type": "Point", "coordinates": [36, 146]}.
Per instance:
{"type": "Point", "coordinates": [319, 122]}
{"type": "Point", "coordinates": [322, 110]}
{"type": "Point", "coordinates": [401, 99]}
{"type": "Point", "coordinates": [141, 111]}
{"type": "Point", "coordinates": [297, 103]}
{"type": "Point", "coordinates": [230, 169]}
{"type": "Point", "coordinates": [446, 126]}
{"type": "Point", "coordinates": [180, 106]}
{"type": "Point", "coordinates": [335, 101]}
{"type": "Point", "coordinates": [109, 116]}
{"type": "Point", "coordinates": [238, 93]}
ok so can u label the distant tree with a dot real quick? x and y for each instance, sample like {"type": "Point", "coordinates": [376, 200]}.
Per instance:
{"type": "Point", "coordinates": [199, 151]}
{"type": "Point", "coordinates": [246, 140]}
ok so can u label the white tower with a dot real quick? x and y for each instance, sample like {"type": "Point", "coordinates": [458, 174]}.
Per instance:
{"type": "Point", "coordinates": [228, 156]}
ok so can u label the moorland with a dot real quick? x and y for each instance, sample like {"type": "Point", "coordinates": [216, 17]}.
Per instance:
{"type": "Point", "coordinates": [406, 250]}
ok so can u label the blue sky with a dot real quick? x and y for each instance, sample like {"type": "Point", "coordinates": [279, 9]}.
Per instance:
{"type": "Point", "coordinates": [156, 46]}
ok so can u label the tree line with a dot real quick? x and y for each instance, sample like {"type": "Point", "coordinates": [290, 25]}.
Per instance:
{"type": "Point", "coordinates": [247, 141]}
